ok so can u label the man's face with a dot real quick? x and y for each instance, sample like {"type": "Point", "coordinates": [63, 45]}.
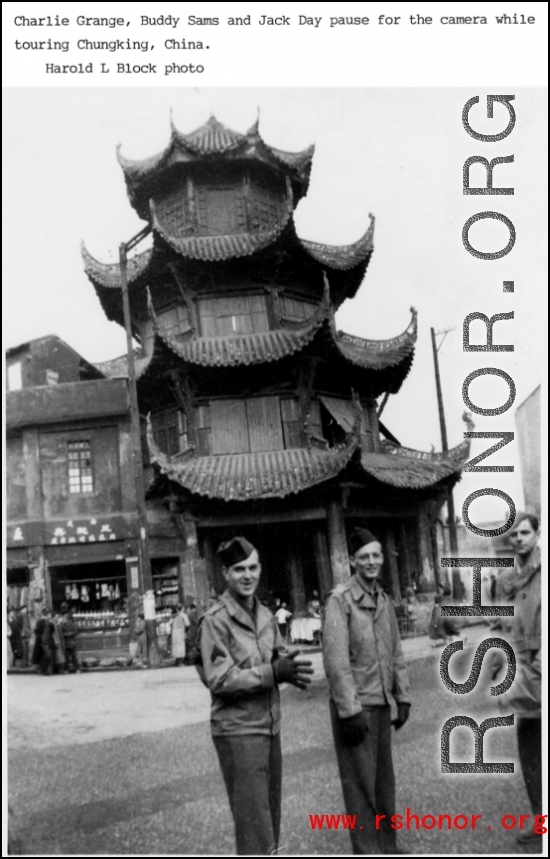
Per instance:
{"type": "Point", "coordinates": [524, 538]}
{"type": "Point", "coordinates": [367, 562]}
{"type": "Point", "coordinates": [242, 578]}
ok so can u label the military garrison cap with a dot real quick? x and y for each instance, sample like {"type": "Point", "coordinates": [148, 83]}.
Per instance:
{"type": "Point", "coordinates": [234, 551]}
{"type": "Point", "coordinates": [360, 537]}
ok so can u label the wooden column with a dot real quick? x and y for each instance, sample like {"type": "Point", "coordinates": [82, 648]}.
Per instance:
{"type": "Point", "coordinates": [194, 577]}
{"type": "Point", "coordinates": [339, 558]}
{"type": "Point", "coordinates": [426, 566]}
{"type": "Point", "coordinates": [39, 583]}
{"type": "Point", "coordinates": [213, 571]}
{"type": "Point", "coordinates": [372, 429]}
{"type": "Point", "coordinates": [127, 482]}
{"type": "Point", "coordinates": [390, 558]}
{"type": "Point", "coordinates": [296, 579]}
{"type": "Point", "coordinates": [408, 563]}
{"type": "Point", "coordinates": [322, 560]}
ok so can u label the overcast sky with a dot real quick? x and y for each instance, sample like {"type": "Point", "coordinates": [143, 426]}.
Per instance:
{"type": "Point", "coordinates": [395, 153]}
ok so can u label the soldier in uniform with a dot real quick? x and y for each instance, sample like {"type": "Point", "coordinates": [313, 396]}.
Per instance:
{"type": "Point", "coordinates": [521, 587]}
{"type": "Point", "coordinates": [369, 690]}
{"type": "Point", "coordinates": [243, 662]}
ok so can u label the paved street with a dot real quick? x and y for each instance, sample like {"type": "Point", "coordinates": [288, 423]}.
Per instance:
{"type": "Point", "coordinates": [122, 763]}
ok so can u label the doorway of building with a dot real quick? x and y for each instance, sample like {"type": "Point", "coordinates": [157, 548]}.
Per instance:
{"type": "Point", "coordinates": [290, 566]}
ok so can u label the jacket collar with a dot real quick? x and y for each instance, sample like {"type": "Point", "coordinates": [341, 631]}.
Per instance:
{"type": "Point", "coordinates": [362, 596]}
{"type": "Point", "coordinates": [238, 613]}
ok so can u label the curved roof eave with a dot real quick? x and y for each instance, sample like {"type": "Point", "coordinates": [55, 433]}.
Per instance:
{"type": "Point", "coordinates": [107, 275]}
{"type": "Point", "coordinates": [210, 139]}
{"type": "Point", "coordinates": [242, 349]}
{"type": "Point", "coordinates": [406, 468]}
{"type": "Point", "coordinates": [249, 476]}
{"type": "Point", "coordinates": [119, 366]}
{"type": "Point", "coordinates": [343, 257]}
{"type": "Point", "coordinates": [378, 354]}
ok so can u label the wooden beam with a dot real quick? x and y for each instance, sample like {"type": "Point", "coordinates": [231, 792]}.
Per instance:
{"type": "Point", "coordinates": [356, 512]}
{"type": "Point", "coordinates": [426, 565]}
{"type": "Point", "coordinates": [194, 577]}
{"type": "Point", "coordinates": [339, 558]}
{"type": "Point", "coordinates": [189, 298]}
{"type": "Point", "coordinates": [370, 418]}
{"type": "Point", "coordinates": [322, 560]}
{"type": "Point", "coordinates": [296, 581]}
{"type": "Point", "coordinates": [390, 555]}
{"type": "Point", "coordinates": [238, 519]}
{"type": "Point", "coordinates": [213, 570]}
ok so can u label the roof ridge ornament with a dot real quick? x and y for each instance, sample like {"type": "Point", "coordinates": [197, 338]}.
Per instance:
{"type": "Point", "coordinates": [254, 130]}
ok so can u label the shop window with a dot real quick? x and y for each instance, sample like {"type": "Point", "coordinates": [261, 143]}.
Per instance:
{"type": "Point", "coordinates": [80, 467]}
{"type": "Point", "coordinates": [170, 431]}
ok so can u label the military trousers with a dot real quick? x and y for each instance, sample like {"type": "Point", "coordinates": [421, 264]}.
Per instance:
{"type": "Point", "coordinates": [530, 755]}
{"type": "Point", "coordinates": [252, 769]}
{"type": "Point", "coordinates": [368, 781]}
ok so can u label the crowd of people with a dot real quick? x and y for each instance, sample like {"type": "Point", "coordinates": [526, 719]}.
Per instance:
{"type": "Point", "coordinates": [54, 649]}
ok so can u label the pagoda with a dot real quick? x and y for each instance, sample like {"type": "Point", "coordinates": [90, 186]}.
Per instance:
{"type": "Point", "coordinates": [261, 417]}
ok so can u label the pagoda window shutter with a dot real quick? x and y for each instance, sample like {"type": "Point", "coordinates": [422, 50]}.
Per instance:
{"type": "Point", "coordinates": [229, 426]}
{"type": "Point", "coordinates": [264, 424]}
{"type": "Point", "coordinates": [203, 430]}
{"type": "Point", "coordinates": [296, 309]}
{"type": "Point", "coordinates": [291, 422]}
{"type": "Point", "coordinates": [175, 319]}
{"type": "Point", "coordinates": [233, 314]}
{"type": "Point", "coordinates": [258, 312]}
{"type": "Point", "coordinates": [221, 211]}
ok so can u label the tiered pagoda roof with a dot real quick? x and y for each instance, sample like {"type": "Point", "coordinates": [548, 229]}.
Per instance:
{"type": "Point", "coordinates": [277, 474]}
{"type": "Point", "coordinates": [345, 265]}
{"type": "Point", "coordinates": [156, 192]}
{"type": "Point", "coordinates": [213, 142]}
{"type": "Point", "coordinates": [394, 355]}
{"type": "Point", "coordinates": [260, 249]}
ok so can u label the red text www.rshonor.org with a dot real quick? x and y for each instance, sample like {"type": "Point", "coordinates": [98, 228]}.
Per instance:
{"type": "Point", "coordinates": [428, 821]}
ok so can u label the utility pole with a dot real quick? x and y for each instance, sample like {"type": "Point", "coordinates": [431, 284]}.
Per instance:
{"type": "Point", "coordinates": [144, 561]}
{"type": "Point", "coordinates": [453, 541]}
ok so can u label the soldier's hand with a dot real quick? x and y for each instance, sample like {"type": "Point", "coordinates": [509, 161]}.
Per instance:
{"type": "Point", "coordinates": [353, 729]}
{"type": "Point", "coordinates": [403, 711]}
{"type": "Point", "coordinates": [288, 669]}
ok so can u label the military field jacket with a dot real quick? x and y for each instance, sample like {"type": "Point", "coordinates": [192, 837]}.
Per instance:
{"type": "Point", "coordinates": [521, 587]}
{"type": "Point", "coordinates": [362, 651]}
{"type": "Point", "coordinates": [237, 653]}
